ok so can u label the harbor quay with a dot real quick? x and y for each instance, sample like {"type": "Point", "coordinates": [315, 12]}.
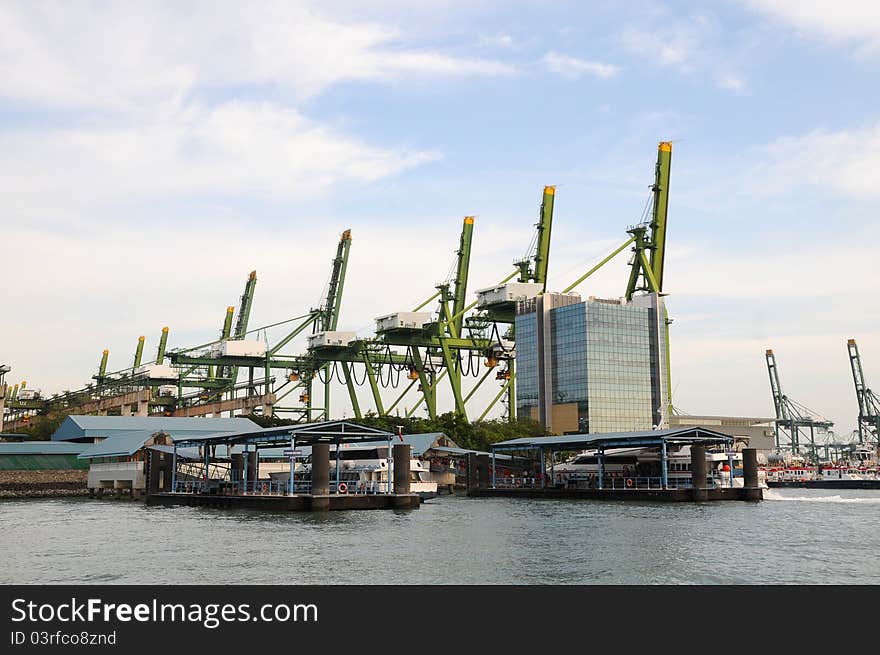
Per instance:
{"type": "Point", "coordinates": [611, 472]}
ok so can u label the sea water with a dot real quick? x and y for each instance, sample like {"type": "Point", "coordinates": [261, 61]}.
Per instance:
{"type": "Point", "coordinates": [793, 537]}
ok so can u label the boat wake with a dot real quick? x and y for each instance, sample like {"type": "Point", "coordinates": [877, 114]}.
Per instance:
{"type": "Point", "coordinates": [773, 494]}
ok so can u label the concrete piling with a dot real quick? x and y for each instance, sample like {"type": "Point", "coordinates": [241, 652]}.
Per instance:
{"type": "Point", "coordinates": [698, 473]}
{"type": "Point", "coordinates": [472, 472]}
{"type": "Point", "coordinates": [750, 474]}
{"type": "Point", "coordinates": [483, 471]}
{"type": "Point", "coordinates": [320, 469]}
{"type": "Point", "coordinates": [402, 457]}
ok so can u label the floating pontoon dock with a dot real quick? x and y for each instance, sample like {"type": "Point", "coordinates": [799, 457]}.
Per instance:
{"type": "Point", "coordinates": [235, 485]}
{"type": "Point", "coordinates": [484, 480]}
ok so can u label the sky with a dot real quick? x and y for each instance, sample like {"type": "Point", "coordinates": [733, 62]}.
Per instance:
{"type": "Point", "coordinates": [152, 154]}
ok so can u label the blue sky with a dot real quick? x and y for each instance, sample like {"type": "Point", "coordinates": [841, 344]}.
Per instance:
{"type": "Point", "coordinates": [154, 153]}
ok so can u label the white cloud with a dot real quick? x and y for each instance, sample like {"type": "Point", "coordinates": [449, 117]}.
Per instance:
{"type": "Point", "coordinates": [692, 46]}
{"type": "Point", "coordinates": [158, 53]}
{"type": "Point", "coordinates": [233, 149]}
{"type": "Point", "coordinates": [845, 161]}
{"type": "Point", "coordinates": [856, 21]}
{"type": "Point", "coordinates": [572, 67]}
{"type": "Point", "coordinates": [499, 41]}
{"type": "Point", "coordinates": [732, 82]}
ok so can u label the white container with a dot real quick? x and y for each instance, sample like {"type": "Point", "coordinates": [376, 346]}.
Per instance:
{"type": "Point", "coordinates": [157, 372]}
{"type": "Point", "coordinates": [402, 321]}
{"type": "Point", "coordinates": [331, 338]}
{"type": "Point", "coordinates": [242, 348]}
{"type": "Point", "coordinates": [510, 292]}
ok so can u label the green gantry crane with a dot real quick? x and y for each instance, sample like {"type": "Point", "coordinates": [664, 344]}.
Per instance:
{"type": "Point", "coordinates": [869, 402]}
{"type": "Point", "coordinates": [299, 370]}
{"type": "Point", "coordinates": [792, 417]}
{"type": "Point", "coordinates": [648, 241]}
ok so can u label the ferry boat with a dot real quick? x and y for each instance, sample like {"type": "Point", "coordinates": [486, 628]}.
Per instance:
{"type": "Point", "coordinates": [824, 477]}
{"type": "Point", "coordinates": [859, 473]}
{"type": "Point", "coordinates": [633, 463]}
{"type": "Point", "coordinates": [364, 470]}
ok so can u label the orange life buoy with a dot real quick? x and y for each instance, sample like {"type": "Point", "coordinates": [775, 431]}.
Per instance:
{"type": "Point", "coordinates": [343, 488]}
{"type": "Point", "coordinates": [629, 482]}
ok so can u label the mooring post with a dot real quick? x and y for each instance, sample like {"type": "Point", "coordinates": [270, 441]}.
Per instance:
{"type": "Point", "coordinates": [698, 473]}
{"type": "Point", "coordinates": [154, 465]}
{"type": "Point", "coordinates": [493, 469]}
{"type": "Point", "coordinates": [402, 456]}
{"type": "Point", "coordinates": [600, 462]}
{"type": "Point", "coordinates": [320, 469]}
{"type": "Point", "coordinates": [472, 472]}
{"type": "Point", "coordinates": [483, 471]}
{"type": "Point", "coordinates": [750, 474]}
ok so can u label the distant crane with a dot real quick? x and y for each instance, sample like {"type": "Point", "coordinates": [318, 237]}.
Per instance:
{"type": "Point", "coordinates": [869, 402]}
{"type": "Point", "coordinates": [792, 417]}
{"type": "Point", "coordinates": [4, 369]}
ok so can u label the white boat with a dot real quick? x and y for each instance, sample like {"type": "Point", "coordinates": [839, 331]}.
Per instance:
{"type": "Point", "coordinates": [643, 464]}
{"type": "Point", "coordinates": [364, 470]}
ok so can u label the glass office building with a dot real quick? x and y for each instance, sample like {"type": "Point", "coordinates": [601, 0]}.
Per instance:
{"type": "Point", "coordinates": [592, 366]}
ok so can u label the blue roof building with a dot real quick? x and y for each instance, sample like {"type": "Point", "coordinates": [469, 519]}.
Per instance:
{"type": "Point", "coordinates": [89, 429]}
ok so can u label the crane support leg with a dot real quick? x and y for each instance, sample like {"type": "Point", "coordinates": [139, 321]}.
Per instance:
{"type": "Point", "coordinates": [352, 395]}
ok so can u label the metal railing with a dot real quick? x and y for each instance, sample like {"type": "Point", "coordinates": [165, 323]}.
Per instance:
{"type": "Point", "coordinates": [118, 466]}
{"type": "Point", "coordinates": [609, 482]}
{"type": "Point", "coordinates": [274, 487]}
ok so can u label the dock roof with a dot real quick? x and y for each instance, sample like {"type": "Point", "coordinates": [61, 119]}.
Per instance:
{"type": "Point", "coordinates": [79, 427]}
{"type": "Point", "coordinates": [116, 446]}
{"type": "Point", "coordinates": [684, 435]}
{"type": "Point", "coordinates": [305, 434]}
{"type": "Point", "coordinates": [41, 448]}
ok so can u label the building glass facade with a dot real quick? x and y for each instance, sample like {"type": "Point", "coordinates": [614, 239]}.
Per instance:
{"type": "Point", "coordinates": [593, 366]}
{"type": "Point", "coordinates": [526, 366]}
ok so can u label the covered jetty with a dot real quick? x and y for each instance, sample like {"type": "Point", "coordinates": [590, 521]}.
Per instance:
{"type": "Point", "coordinates": [234, 483]}
{"type": "Point", "coordinates": [483, 480]}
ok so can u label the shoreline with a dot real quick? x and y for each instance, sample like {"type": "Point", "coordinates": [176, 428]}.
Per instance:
{"type": "Point", "coordinates": [43, 484]}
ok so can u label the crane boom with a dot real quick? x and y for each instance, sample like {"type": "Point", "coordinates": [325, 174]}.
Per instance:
{"type": "Point", "coordinates": [337, 283]}
{"type": "Point", "coordinates": [244, 310]}
{"type": "Point", "coordinates": [459, 295]}
{"type": "Point", "coordinates": [869, 403]}
{"type": "Point", "coordinates": [139, 352]}
{"type": "Point", "coordinates": [661, 206]}
{"type": "Point", "coordinates": [542, 248]}
{"type": "Point", "coordinates": [649, 239]}
{"type": "Point", "coordinates": [163, 342]}
{"type": "Point", "coordinates": [776, 387]}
